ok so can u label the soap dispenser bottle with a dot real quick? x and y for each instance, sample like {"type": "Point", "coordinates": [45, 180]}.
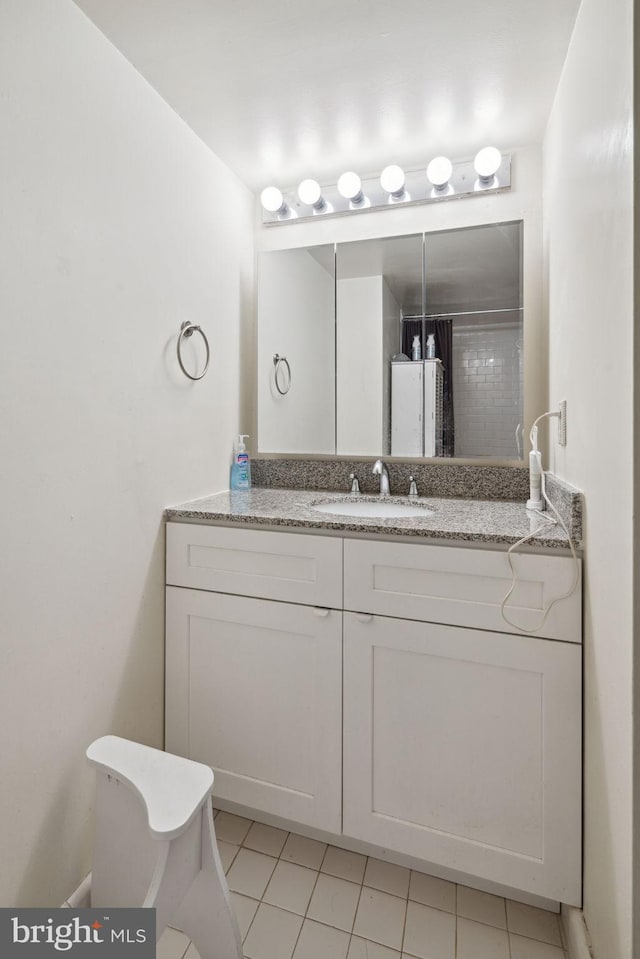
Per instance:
{"type": "Point", "coordinates": [241, 468]}
{"type": "Point", "coordinates": [431, 346]}
{"type": "Point", "coordinates": [416, 351]}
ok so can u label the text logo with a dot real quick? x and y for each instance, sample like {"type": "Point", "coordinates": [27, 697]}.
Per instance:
{"type": "Point", "coordinates": [79, 933]}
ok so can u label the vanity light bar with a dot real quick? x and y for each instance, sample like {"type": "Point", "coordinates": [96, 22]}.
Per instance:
{"type": "Point", "coordinates": [488, 172]}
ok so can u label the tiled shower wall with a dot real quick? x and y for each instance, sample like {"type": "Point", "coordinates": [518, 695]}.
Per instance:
{"type": "Point", "coordinates": [487, 389]}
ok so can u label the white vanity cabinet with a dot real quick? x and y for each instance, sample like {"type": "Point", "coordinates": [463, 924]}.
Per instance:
{"type": "Point", "coordinates": [403, 712]}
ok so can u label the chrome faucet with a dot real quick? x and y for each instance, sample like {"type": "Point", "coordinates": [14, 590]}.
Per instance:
{"type": "Point", "coordinates": [379, 469]}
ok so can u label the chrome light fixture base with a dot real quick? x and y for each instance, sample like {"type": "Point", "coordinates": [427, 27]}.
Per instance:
{"type": "Point", "coordinates": [463, 182]}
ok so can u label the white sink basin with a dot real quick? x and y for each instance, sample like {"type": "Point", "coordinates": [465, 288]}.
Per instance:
{"type": "Point", "coordinates": [382, 510]}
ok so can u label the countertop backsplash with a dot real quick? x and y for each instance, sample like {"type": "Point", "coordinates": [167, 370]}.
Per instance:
{"type": "Point", "coordinates": [433, 479]}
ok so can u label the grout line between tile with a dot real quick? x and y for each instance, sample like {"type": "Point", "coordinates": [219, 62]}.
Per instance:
{"type": "Point", "coordinates": [305, 916]}
{"type": "Point", "coordinates": [250, 924]}
{"type": "Point", "coordinates": [491, 925]}
{"type": "Point", "coordinates": [295, 945]}
{"type": "Point", "coordinates": [404, 924]}
{"type": "Point", "coordinates": [353, 924]}
{"type": "Point", "coordinates": [523, 935]}
{"type": "Point", "coordinates": [324, 856]}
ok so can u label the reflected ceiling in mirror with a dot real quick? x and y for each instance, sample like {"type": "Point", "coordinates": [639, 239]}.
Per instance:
{"type": "Point", "coordinates": [397, 259]}
{"type": "Point", "coordinates": [478, 268]}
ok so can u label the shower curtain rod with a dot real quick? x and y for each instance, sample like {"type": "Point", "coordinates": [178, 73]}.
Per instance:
{"type": "Point", "coordinates": [435, 316]}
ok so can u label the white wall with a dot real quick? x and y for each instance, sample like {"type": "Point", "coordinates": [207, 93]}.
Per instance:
{"type": "Point", "coordinates": [523, 201]}
{"type": "Point", "coordinates": [391, 316]}
{"type": "Point", "coordinates": [367, 336]}
{"type": "Point", "coordinates": [359, 365]}
{"type": "Point", "coordinates": [588, 202]}
{"type": "Point", "coordinates": [117, 224]}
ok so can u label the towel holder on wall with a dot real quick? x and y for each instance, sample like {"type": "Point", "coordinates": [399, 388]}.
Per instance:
{"type": "Point", "coordinates": [277, 362]}
{"type": "Point", "coordinates": [188, 329]}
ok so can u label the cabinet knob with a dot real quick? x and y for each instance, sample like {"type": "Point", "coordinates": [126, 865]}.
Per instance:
{"type": "Point", "coordinates": [365, 617]}
{"type": "Point", "coordinates": [320, 611]}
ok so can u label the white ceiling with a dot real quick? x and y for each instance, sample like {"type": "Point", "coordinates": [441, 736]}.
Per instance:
{"type": "Point", "coordinates": [283, 89]}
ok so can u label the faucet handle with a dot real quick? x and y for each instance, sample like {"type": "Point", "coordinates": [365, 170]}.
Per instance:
{"type": "Point", "coordinates": [355, 485]}
{"type": "Point", "coordinates": [413, 489]}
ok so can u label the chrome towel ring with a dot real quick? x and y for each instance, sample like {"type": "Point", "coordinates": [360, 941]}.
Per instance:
{"type": "Point", "coordinates": [278, 361]}
{"type": "Point", "coordinates": [188, 329]}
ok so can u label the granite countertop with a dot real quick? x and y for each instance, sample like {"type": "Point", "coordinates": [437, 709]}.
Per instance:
{"type": "Point", "coordinates": [461, 520]}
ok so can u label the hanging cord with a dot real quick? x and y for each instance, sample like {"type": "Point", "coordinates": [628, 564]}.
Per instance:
{"type": "Point", "coordinates": [548, 521]}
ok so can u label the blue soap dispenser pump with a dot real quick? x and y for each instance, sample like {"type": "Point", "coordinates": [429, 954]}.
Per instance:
{"type": "Point", "coordinates": [241, 469]}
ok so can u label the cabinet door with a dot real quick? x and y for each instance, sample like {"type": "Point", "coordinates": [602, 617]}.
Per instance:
{"type": "Point", "coordinates": [254, 689]}
{"type": "Point", "coordinates": [462, 747]}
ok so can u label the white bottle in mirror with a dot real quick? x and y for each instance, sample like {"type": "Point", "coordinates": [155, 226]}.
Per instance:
{"type": "Point", "coordinates": [416, 350]}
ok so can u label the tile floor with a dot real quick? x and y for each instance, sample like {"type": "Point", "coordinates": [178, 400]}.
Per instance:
{"type": "Point", "coordinates": [296, 898]}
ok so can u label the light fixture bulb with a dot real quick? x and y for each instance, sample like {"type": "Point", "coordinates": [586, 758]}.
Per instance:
{"type": "Point", "coordinates": [273, 200]}
{"type": "Point", "coordinates": [439, 172]}
{"type": "Point", "coordinates": [350, 187]}
{"type": "Point", "coordinates": [310, 193]}
{"type": "Point", "coordinates": [392, 179]}
{"type": "Point", "coordinates": [487, 163]}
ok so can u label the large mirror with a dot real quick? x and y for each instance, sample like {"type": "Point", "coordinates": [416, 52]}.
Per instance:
{"type": "Point", "coordinates": [408, 346]}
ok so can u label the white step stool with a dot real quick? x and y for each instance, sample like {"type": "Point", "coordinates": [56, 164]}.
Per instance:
{"type": "Point", "coordinates": [155, 843]}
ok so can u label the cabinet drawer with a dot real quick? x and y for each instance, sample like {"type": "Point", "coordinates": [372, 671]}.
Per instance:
{"type": "Point", "coordinates": [283, 566]}
{"type": "Point", "coordinates": [462, 587]}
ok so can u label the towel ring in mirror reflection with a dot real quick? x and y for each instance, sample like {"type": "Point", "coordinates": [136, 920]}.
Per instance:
{"type": "Point", "coordinates": [278, 362]}
{"type": "Point", "coordinates": [188, 329]}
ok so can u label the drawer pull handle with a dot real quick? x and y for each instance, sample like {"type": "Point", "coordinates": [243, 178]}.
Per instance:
{"type": "Point", "coordinates": [365, 617]}
{"type": "Point", "coordinates": [320, 611]}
